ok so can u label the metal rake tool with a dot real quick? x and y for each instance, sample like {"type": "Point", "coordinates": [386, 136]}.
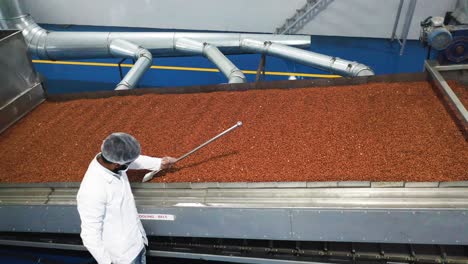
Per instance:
{"type": "Point", "coordinates": [148, 176]}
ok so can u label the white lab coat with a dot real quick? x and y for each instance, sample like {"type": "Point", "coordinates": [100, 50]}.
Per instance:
{"type": "Point", "coordinates": [110, 227]}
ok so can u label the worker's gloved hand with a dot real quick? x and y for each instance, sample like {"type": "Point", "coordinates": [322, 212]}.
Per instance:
{"type": "Point", "coordinates": [167, 162]}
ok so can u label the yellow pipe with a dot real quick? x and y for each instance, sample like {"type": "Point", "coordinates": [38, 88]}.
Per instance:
{"type": "Point", "coordinates": [178, 68]}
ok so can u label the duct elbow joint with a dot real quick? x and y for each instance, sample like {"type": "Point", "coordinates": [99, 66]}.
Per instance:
{"type": "Point", "coordinates": [144, 53]}
{"type": "Point", "coordinates": [237, 76]}
{"type": "Point", "coordinates": [122, 86]}
{"type": "Point", "coordinates": [207, 47]}
{"type": "Point", "coordinates": [126, 49]}
{"type": "Point", "coordinates": [362, 70]}
{"type": "Point", "coordinates": [121, 48]}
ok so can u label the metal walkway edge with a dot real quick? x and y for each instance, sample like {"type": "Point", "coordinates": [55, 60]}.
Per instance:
{"type": "Point", "coordinates": [382, 195]}
{"type": "Point", "coordinates": [424, 214]}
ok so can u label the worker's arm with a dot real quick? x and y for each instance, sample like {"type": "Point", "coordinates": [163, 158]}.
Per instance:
{"type": "Point", "coordinates": [149, 163]}
{"type": "Point", "coordinates": [91, 206]}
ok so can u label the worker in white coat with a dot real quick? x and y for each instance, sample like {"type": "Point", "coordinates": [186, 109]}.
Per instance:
{"type": "Point", "coordinates": [110, 227]}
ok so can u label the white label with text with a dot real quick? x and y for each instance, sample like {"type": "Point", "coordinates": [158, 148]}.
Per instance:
{"type": "Point", "coordinates": [161, 217]}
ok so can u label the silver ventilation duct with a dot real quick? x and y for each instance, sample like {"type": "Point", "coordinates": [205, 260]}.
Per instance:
{"type": "Point", "coordinates": [233, 74]}
{"type": "Point", "coordinates": [312, 59]}
{"type": "Point", "coordinates": [84, 45]}
{"type": "Point", "coordinates": [123, 48]}
{"type": "Point", "coordinates": [141, 45]}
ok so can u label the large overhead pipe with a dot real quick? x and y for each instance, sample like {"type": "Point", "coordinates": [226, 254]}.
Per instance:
{"type": "Point", "coordinates": [316, 60]}
{"type": "Point", "coordinates": [190, 46]}
{"type": "Point", "coordinates": [81, 45]}
{"type": "Point", "coordinates": [86, 45]}
{"type": "Point", "coordinates": [125, 49]}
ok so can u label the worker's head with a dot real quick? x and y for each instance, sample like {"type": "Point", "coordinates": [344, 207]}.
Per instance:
{"type": "Point", "coordinates": [120, 149]}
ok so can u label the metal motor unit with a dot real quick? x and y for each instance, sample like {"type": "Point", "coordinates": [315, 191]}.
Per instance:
{"type": "Point", "coordinates": [447, 35]}
{"type": "Point", "coordinates": [435, 33]}
{"type": "Point", "coordinates": [450, 41]}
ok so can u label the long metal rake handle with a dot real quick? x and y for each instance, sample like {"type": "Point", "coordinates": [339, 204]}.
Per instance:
{"type": "Point", "coordinates": [209, 141]}
{"type": "Point", "coordinates": [151, 174]}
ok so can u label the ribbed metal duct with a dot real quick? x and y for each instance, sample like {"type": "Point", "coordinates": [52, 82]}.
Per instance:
{"type": "Point", "coordinates": [316, 60]}
{"type": "Point", "coordinates": [233, 74]}
{"type": "Point", "coordinates": [123, 48]}
{"type": "Point", "coordinates": [85, 45]}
